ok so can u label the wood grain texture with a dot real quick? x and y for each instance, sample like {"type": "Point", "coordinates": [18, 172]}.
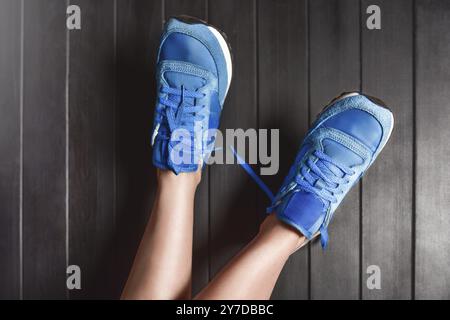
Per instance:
{"type": "Point", "coordinates": [283, 105]}
{"type": "Point", "coordinates": [193, 8]}
{"type": "Point", "coordinates": [200, 260]}
{"type": "Point", "coordinates": [234, 219]}
{"type": "Point", "coordinates": [44, 153]}
{"type": "Point", "coordinates": [10, 122]}
{"type": "Point", "coordinates": [335, 57]}
{"type": "Point", "coordinates": [387, 73]}
{"type": "Point", "coordinates": [91, 145]}
{"type": "Point", "coordinates": [433, 150]}
{"type": "Point", "coordinates": [139, 25]}
{"type": "Point", "coordinates": [290, 58]}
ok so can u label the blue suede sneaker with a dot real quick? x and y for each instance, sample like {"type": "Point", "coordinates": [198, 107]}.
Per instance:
{"type": "Point", "coordinates": [341, 145]}
{"type": "Point", "coordinates": [193, 77]}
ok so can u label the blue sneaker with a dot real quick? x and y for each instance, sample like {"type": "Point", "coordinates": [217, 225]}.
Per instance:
{"type": "Point", "coordinates": [341, 145]}
{"type": "Point", "coordinates": [193, 77]}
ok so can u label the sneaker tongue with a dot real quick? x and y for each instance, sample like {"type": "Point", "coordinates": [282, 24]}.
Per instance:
{"type": "Point", "coordinates": [340, 153]}
{"type": "Point", "coordinates": [305, 209]}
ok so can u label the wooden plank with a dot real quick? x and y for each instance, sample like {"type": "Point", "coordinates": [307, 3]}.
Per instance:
{"type": "Point", "coordinates": [10, 122]}
{"type": "Point", "coordinates": [44, 150]}
{"type": "Point", "coordinates": [138, 29]}
{"type": "Point", "coordinates": [387, 73]}
{"type": "Point", "coordinates": [234, 219]}
{"type": "Point", "coordinates": [193, 8]}
{"type": "Point", "coordinates": [200, 262]}
{"type": "Point", "coordinates": [334, 61]}
{"type": "Point", "coordinates": [433, 150]}
{"type": "Point", "coordinates": [283, 104]}
{"type": "Point", "coordinates": [91, 162]}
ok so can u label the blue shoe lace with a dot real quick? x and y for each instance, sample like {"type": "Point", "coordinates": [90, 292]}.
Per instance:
{"type": "Point", "coordinates": [178, 113]}
{"type": "Point", "coordinates": [323, 176]}
{"type": "Point", "coordinates": [320, 175]}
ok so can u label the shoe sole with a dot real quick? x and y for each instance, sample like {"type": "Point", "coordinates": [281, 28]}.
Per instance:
{"type": "Point", "coordinates": [222, 39]}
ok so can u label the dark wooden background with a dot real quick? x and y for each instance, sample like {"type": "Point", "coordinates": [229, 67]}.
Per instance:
{"type": "Point", "coordinates": [76, 107]}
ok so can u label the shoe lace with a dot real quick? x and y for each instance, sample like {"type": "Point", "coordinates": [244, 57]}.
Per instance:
{"type": "Point", "coordinates": [178, 113]}
{"type": "Point", "coordinates": [321, 175]}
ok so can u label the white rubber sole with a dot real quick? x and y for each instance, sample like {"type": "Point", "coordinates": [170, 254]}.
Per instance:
{"type": "Point", "coordinates": [388, 136]}
{"type": "Point", "coordinates": [227, 54]}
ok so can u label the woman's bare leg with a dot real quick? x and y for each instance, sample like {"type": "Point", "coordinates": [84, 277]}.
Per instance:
{"type": "Point", "coordinates": [252, 274]}
{"type": "Point", "coordinates": [163, 263]}
{"type": "Point", "coordinates": [162, 267]}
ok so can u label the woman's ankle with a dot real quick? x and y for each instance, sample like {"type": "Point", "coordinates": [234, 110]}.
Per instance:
{"type": "Point", "coordinates": [167, 177]}
{"type": "Point", "coordinates": [288, 237]}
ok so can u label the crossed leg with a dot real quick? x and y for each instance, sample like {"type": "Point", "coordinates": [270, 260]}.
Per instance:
{"type": "Point", "coordinates": [163, 264]}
